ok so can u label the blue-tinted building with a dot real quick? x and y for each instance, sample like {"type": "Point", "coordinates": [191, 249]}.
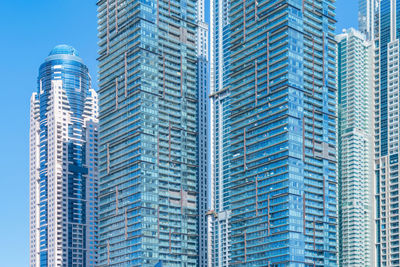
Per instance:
{"type": "Point", "coordinates": [153, 136]}
{"type": "Point", "coordinates": [283, 116]}
{"type": "Point", "coordinates": [367, 9]}
{"type": "Point", "coordinates": [203, 85]}
{"type": "Point", "coordinates": [63, 163]}
{"type": "Point", "coordinates": [219, 214]}
{"type": "Point", "coordinates": [386, 130]}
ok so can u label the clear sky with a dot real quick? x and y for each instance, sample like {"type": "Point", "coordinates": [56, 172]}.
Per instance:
{"type": "Point", "coordinates": [29, 30]}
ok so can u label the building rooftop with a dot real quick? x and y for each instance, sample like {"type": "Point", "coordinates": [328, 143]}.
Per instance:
{"type": "Point", "coordinates": [64, 50]}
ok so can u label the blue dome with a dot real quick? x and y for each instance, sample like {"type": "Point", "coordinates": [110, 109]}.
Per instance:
{"type": "Point", "coordinates": [64, 50]}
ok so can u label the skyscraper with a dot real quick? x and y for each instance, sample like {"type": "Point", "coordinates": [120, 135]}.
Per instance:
{"type": "Point", "coordinates": [63, 163]}
{"type": "Point", "coordinates": [386, 129]}
{"type": "Point", "coordinates": [355, 84]}
{"type": "Point", "coordinates": [152, 62]}
{"type": "Point", "coordinates": [219, 228]}
{"type": "Point", "coordinates": [202, 128]}
{"type": "Point", "coordinates": [283, 109]}
{"type": "Point", "coordinates": [366, 17]}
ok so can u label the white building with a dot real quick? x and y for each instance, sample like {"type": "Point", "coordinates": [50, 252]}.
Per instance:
{"type": "Point", "coordinates": [63, 163]}
{"type": "Point", "coordinates": [355, 149]}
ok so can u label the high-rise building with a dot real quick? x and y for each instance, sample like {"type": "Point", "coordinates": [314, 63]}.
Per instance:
{"type": "Point", "coordinates": [63, 163]}
{"type": "Point", "coordinates": [219, 229]}
{"type": "Point", "coordinates": [283, 144]}
{"type": "Point", "coordinates": [203, 131]}
{"type": "Point", "coordinates": [366, 17]}
{"type": "Point", "coordinates": [152, 73]}
{"type": "Point", "coordinates": [386, 130]}
{"type": "Point", "coordinates": [355, 91]}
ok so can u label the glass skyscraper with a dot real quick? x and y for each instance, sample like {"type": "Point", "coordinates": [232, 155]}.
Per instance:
{"type": "Point", "coordinates": [355, 84]}
{"type": "Point", "coordinates": [203, 132]}
{"type": "Point", "coordinates": [386, 130]}
{"type": "Point", "coordinates": [219, 228]}
{"type": "Point", "coordinates": [366, 17]}
{"type": "Point", "coordinates": [153, 114]}
{"type": "Point", "coordinates": [63, 163]}
{"type": "Point", "coordinates": [280, 185]}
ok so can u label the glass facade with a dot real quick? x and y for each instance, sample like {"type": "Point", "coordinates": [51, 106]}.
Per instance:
{"type": "Point", "coordinates": [219, 229]}
{"type": "Point", "coordinates": [203, 131]}
{"type": "Point", "coordinates": [63, 163]}
{"type": "Point", "coordinates": [355, 76]}
{"type": "Point", "coordinates": [283, 109]}
{"type": "Point", "coordinates": [366, 16]}
{"type": "Point", "coordinates": [152, 151]}
{"type": "Point", "coordinates": [386, 129]}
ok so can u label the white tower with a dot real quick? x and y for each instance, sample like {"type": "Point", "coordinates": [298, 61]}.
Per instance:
{"type": "Point", "coordinates": [63, 163]}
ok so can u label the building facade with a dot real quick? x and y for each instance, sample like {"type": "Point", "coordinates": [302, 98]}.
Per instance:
{"type": "Point", "coordinates": [203, 131]}
{"type": "Point", "coordinates": [366, 17]}
{"type": "Point", "coordinates": [63, 163]}
{"type": "Point", "coordinates": [283, 143]}
{"type": "Point", "coordinates": [355, 85]}
{"type": "Point", "coordinates": [152, 62]}
{"type": "Point", "coordinates": [386, 130]}
{"type": "Point", "coordinates": [219, 228]}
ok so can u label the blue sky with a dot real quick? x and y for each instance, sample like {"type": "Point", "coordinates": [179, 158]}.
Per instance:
{"type": "Point", "coordinates": [29, 30]}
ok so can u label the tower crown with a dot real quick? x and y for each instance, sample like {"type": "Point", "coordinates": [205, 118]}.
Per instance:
{"type": "Point", "coordinates": [64, 49]}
